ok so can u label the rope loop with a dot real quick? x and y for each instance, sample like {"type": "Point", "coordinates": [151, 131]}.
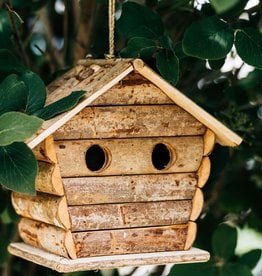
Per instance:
{"type": "Point", "coordinates": [111, 28]}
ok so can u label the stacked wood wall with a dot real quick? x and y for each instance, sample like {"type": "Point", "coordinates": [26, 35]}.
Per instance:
{"type": "Point", "coordinates": [128, 206]}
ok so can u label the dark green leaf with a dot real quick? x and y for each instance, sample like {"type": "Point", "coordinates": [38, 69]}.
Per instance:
{"type": "Point", "coordinates": [222, 6]}
{"type": "Point", "coordinates": [9, 63]}
{"type": "Point", "coordinates": [216, 64]}
{"type": "Point", "coordinates": [230, 269]}
{"type": "Point", "coordinates": [31, 4]}
{"type": "Point", "coordinates": [249, 46]}
{"type": "Point", "coordinates": [18, 168]}
{"type": "Point", "coordinates": [5, 30]}
{"type": "Point", "coordinates": [139, 21]}
{"type": "Point", "coordinates": [168, 65]}
{"type": "Point", "coordinates": [139, 47]}
{"type": "Point", "coordinates": [12, 94]}
{"type": "Point", "coordinates": [201, 269]}
{"type": "Point", "coordinates": [178, 49]}
{"type": "Point", "coordinates": [251, 258]}
{"type": "Point", "coordinates": [224, 241]}
{"type": "Point", "coordinates": [36, 92]}
{"type": "Point", "coordinates": [16, 127]}
{"type": "Point", "coordinates": [209, 38]}
{"type": "Point", "coordinates": [60, 106]}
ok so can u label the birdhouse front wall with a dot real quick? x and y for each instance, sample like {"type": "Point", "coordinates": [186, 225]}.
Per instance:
{"type": "Point", "coordinates": [122, 176]}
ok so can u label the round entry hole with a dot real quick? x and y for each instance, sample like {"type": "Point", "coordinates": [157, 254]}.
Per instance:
{"type": "Point", "coordinates": [161, 157]}
{"type": "Point", "coordinates": [96, 158]}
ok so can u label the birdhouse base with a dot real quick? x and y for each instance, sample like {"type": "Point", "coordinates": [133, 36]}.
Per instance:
{"type": "Point", "coordinates": [61, 264]}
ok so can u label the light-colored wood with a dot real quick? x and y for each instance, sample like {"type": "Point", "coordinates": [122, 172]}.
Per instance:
{"type": "Point", "coordinates": [60, 264]}
{"type": "Point", "coordinates": [209, 142]}
{"type": "Point", "coordinates": [103, 62]}
{"type": "Point", "coordinates": [43, 207]}
{"type": "Point", "coordinates": [130, 188]}
{"type": "Point", "coordinates": [94, 86]}
{"type": "Point", "coordinates": [225, 136]}
{"type": "Point", "coordinates": [126, 215]}
{"type": "Point", "coordinates": [133, 89]}
{"type": "Point", "coordinates": [130, 156]}
{"type": "Point", "coordinates": [203, 172]}
{"type": "Point", "coordinates": [47, 237]}
{"type": "Point", "coordinates": [197, 204]}
{"type": "Point", "coordinates": [48, 177]}
{"type": "Point", "coordinates": [128, 241]}
{"type": "Point", "coordinates": [191, 235]}
{"type": "Point", "coordinates": [130, 121]}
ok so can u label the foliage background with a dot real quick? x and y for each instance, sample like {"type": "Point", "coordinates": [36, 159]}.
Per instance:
{"type": "Point", "coordinates": [49, 36]}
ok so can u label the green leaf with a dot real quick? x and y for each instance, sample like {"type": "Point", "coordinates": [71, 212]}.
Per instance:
{"type": "Point", "coordinates": [235, 269]}
{"type": "Point", "coordinates": [200, 269]}
{"type": "Point", "coordinates": [18, 168]}
{"type": "Point", "coordinates": [139, 47]}
{"type": "Point", "coordinates": [224, 241]}
{"type": "Point", "coordinates": [139, 21]}
{"type": "Point", "coordinates": [222, 6]}
{"type": "Point", "coordinates": [16, 127]}
{"type": "Point", "coordinates": [5, 30]}
{"type": "Point", "coordinates": [209, 38]}
{"type": "Point", "coordinates": [12, 94]}
{"type": "Point", "coordinates": [36, 92]}
{"type": "Point", "coordinates": [60, 106]}
{"type": "Point", "coordinates": [251, 258]}
{"type": "Point", "coordinates": [9, 63]}
{"type": "Point", "coordinates": [216, 64]}
{"type": "Point", "coordinates": [248, 43]}
{"type": "Point", "coordinates": [168, 65]}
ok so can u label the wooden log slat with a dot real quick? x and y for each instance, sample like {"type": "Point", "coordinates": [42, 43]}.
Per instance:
{"type": "Point", "coordinates": [130, 156]}
{"type": "Point", "coordinates": [130, 121]}
{"type": "Point", "coordinates": [48, 178]}
{"type": "Point", "coordinates": [203, 172]}
{"type": "Point", "coordinates": [135, 240]}
{"type": "Point", "coordinates": [43, 207]}
{"type": "Point", "coordinates": [197, 204]}
{"type": "Point", "coordinates": [130, 188]}
{"type": "Point", "coordinates": [133, 91]}
{"type": "Point", "coordinates": [47, 237]}
{"type": "Point", "coordinates": [129, 215]}
{"type": "Point", "coordinates": [209, 142]}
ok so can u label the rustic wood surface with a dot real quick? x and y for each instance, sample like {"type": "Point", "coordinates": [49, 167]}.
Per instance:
{"type": "Point", "coordinates": [130, 121]}
{"type": "Point", "coordinates": [95, 82]}
{"type": "Point", "coordinates": [129, 188]}
{"type": "Point", "coordinates": [133, 89]}
{"type": "Point", "coordinates": [203, 172]}
{"type": "Point", "coordinates": [197, 204]}
{"type": "Point", "coordinates": [209, 142]}
{"type": "Point", "coordinates": [126, 241]}
{"type": "Point", "coordinates": [48, 177]}
{"type": "Point", "coordinates": [225, 136]}
{"type": "Point", "coordinates": [130, 156]}
{"type": "Point", "coordinates": [60, 264]}
{"type": "Point", "coordinates": [43, 207]}
{"type": "Point", "coordinates": [126, 215]}
{"type": "Point", "coordinates": [48, 237]}
{"type": "Point", "coordinates": [191, 235]}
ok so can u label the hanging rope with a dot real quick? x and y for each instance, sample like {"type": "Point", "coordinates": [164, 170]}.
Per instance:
{"type": "Point", "coordinates": [111, 28]}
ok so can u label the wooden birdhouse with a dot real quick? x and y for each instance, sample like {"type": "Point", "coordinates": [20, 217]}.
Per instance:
{"type": "Point", "coordinates": [120, 175]}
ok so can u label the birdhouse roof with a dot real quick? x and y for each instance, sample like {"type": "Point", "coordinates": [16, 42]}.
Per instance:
{"type": "Point", "coordinates": [98, 76]}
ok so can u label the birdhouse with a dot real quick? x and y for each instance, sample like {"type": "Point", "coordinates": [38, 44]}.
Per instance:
{"type": "Point", "coordinates": [120, 174]}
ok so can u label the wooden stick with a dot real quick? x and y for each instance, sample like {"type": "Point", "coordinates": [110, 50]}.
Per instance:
{"type": "Point", "coordinates": [130, 156]}
{"type": "Point", "coordinates": [43, 207]}
{"type": "Point", "coordinates": [130, 121]}
{"type": "Point", "coordinates": [203, 172]}
{"type": "Point", "coordinates": [47, 237]}
{"type": "Point", "coordinates": [127, 215]}
{"type": "Point", "coordinates": [197, 204]}
{"type": "Point", "coordinates": [191, 235]}
{"type": "Point", "coordinates": [130, 188]}
{"type": "Point", "coordinates": [209, 142]}
{"type": "Point", "coordinates": [224, 135]}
